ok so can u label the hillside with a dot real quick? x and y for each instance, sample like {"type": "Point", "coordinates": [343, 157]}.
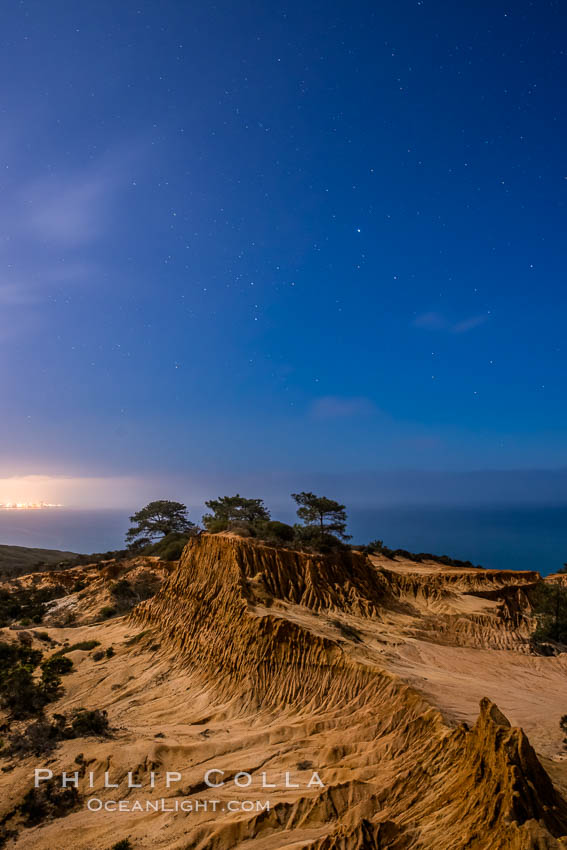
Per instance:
{"type": "Point", "coordinates": [409, 689]}
{"type": "Point", "coordinates": [17, 558]}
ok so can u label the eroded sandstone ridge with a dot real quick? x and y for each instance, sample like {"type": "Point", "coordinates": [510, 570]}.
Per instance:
{"type": "Point", "coordinates": [257, 624]}
{"type": "Point", "coordinates": [367, 672]}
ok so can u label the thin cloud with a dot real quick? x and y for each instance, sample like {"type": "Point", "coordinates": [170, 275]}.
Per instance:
{"type": "Point", "coordinates": [433, 321]}
{"type": "Point", "coordinates": [15, 294]}
{"type": "Point", "coordinates": [340, 407]}
{"type": "Point", "coordinates": [48, 228]}
{"type": "Point", "coordinates": [469, 324]}
{"type": "Point", "coordinates": [70, 211]}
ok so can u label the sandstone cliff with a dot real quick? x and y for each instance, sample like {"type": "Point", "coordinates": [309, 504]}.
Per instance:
{"type": "Point", "coordinates": [368, 672]}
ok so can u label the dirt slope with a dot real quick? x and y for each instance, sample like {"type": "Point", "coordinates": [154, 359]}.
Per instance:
{"type": "Point", "coordinates": [367, 672]}
{"type": "Point", "coordinates": [15, 559]}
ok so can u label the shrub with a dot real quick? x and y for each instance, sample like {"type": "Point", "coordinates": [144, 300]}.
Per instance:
{"type": "Point", "coordinates": [87, 722]}
{"type": "Point", "coordinates": [17, 653]}
{"type": "Point", "coordinates": [123, 844]}
{"type": "Point", "coordinates": [550, 610]}
{"type": "Point", "coordinates": [122, 590]}
{"type": "Point", "coordinates": [57, 665]}
{"type": "Point", "coordinates": [107, 611]}
{"type": "Point", "coordinates": [48, 801]}
{"type": "Point", "coordinates": [373, 547]}
{"type": "Point", "coordinates": [173, 552]}
{"type": "Point", "coordinates": [39, 738]}
{"type": "Point", "coordinates": [110, 652]}
{"type": "Point", "coordinates": [279, 531]}
{"type": "Point", "coordinates": [21, 695]}
{"type": "Point", "coordinates": [27, 605]}
{"type": "Point", "coordinates": [170, 547]}
{"type": "Point", "coordinates": [42, 737]}
{"type": "Point", "coordinates": [213, 525]}
{"type": "Point", "coordinates": [43, 636]}
{"type": "Point", "coordinates": [310, 537]}
{"type": "Point", "coordinates": [85, 645]}
{"type": "Point", "coordinates": [243, 529]}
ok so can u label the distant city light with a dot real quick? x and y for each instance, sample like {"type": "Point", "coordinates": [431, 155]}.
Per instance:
{"type": "Point", "coordinates": [26, 506]}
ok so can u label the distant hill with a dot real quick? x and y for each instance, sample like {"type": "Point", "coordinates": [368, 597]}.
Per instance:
{"type": "Point", "coordinates": [18, 559]}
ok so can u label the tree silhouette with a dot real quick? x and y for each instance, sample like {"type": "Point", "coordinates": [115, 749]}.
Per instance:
{"type": "Point", "coordinates": [325, 515]}
{"type": "Point", "coordinates": [158, 519]}
{"type": "Point", "coordinates": [234, 510]}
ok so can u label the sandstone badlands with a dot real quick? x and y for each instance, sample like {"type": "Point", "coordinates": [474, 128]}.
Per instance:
{"type": "Point", "coordinates": [410, 689]}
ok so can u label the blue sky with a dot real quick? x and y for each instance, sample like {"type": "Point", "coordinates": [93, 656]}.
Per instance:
{"type": "Point", "coordinates": [244, 241]}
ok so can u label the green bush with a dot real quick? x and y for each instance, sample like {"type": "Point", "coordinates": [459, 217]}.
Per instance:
{"type": "Point", "coordinates": [243, 529]}
{"type": "Point", "coordinates": [26, 605]}
{"type": "Point", "coordinates": [20, 694]}
{"type": "Point", "coordinates": [41, 736]}
{"type": "Point", "coordinates": [107, 611]}
{"type": "Point", "coordinates": [51, 672]}
{"type": "Point", "coordinates": [87, 722]}
{"type": "Point", "coordinates": [310, 538]}
{"type": "Point", "coordinates": [373, 547]}
{"type": "Point", "coordinates": [278, 531]}
{"type": "Point", "coordinates": [123, 844]}
{"type": "Point", "coordinates": [173, 552]}
{"type": "Point", "coordinates": [122, 590]}
{"type": "Point", "coordinates": [213, 525]}
{"type": "Point", "coordinates": [43, 636]}
{"type": "Point", "coordinates": [550, 610]}
{"type": "Point", "coordinates": [98, 655]}
{"type": "Point", "coordinates": [48, 801]}
{"type": "Point", "coordinates": [170, 547]}
{"type": "Point", "coordinates": [12, 654]}
{"type": "Point", "coordinates": [57, 665]}
{"type": "Point", "coordinates": [85, 645]}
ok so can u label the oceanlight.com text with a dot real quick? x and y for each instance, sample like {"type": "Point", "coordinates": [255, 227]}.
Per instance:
{"type": "Point", "coordinates": [173, 806]}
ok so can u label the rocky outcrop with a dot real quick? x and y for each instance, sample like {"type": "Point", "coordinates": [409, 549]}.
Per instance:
{"type": "Point", "coordinates": [251, 622]}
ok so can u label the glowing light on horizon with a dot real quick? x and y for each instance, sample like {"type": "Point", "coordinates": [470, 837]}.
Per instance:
{"type": "Point", "coordinates": [27, 506]}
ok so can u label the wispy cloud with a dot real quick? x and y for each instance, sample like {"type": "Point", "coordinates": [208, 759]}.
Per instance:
{"type": "Point", "coordinates": [69, 210]}
{"type": "Point", "coordinates": [339, 407]}
{"type": "Point", "coordinates": [469, 324]}
{"type": "Point", "coordinates": [434, 321]}
{"type": "Point", "coordinates": [15, 294]}
{"type": "Point", "coordinates": [431, 321]}
{"type": "Point", "coordinates": [49, 227]}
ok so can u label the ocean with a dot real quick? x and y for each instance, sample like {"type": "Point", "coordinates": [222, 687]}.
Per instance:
{"type": "Point", "coordinates": [526, 537]}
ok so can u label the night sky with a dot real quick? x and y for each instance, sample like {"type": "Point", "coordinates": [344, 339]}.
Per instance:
{"type": "Point", "coordinates": [249, 242]}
